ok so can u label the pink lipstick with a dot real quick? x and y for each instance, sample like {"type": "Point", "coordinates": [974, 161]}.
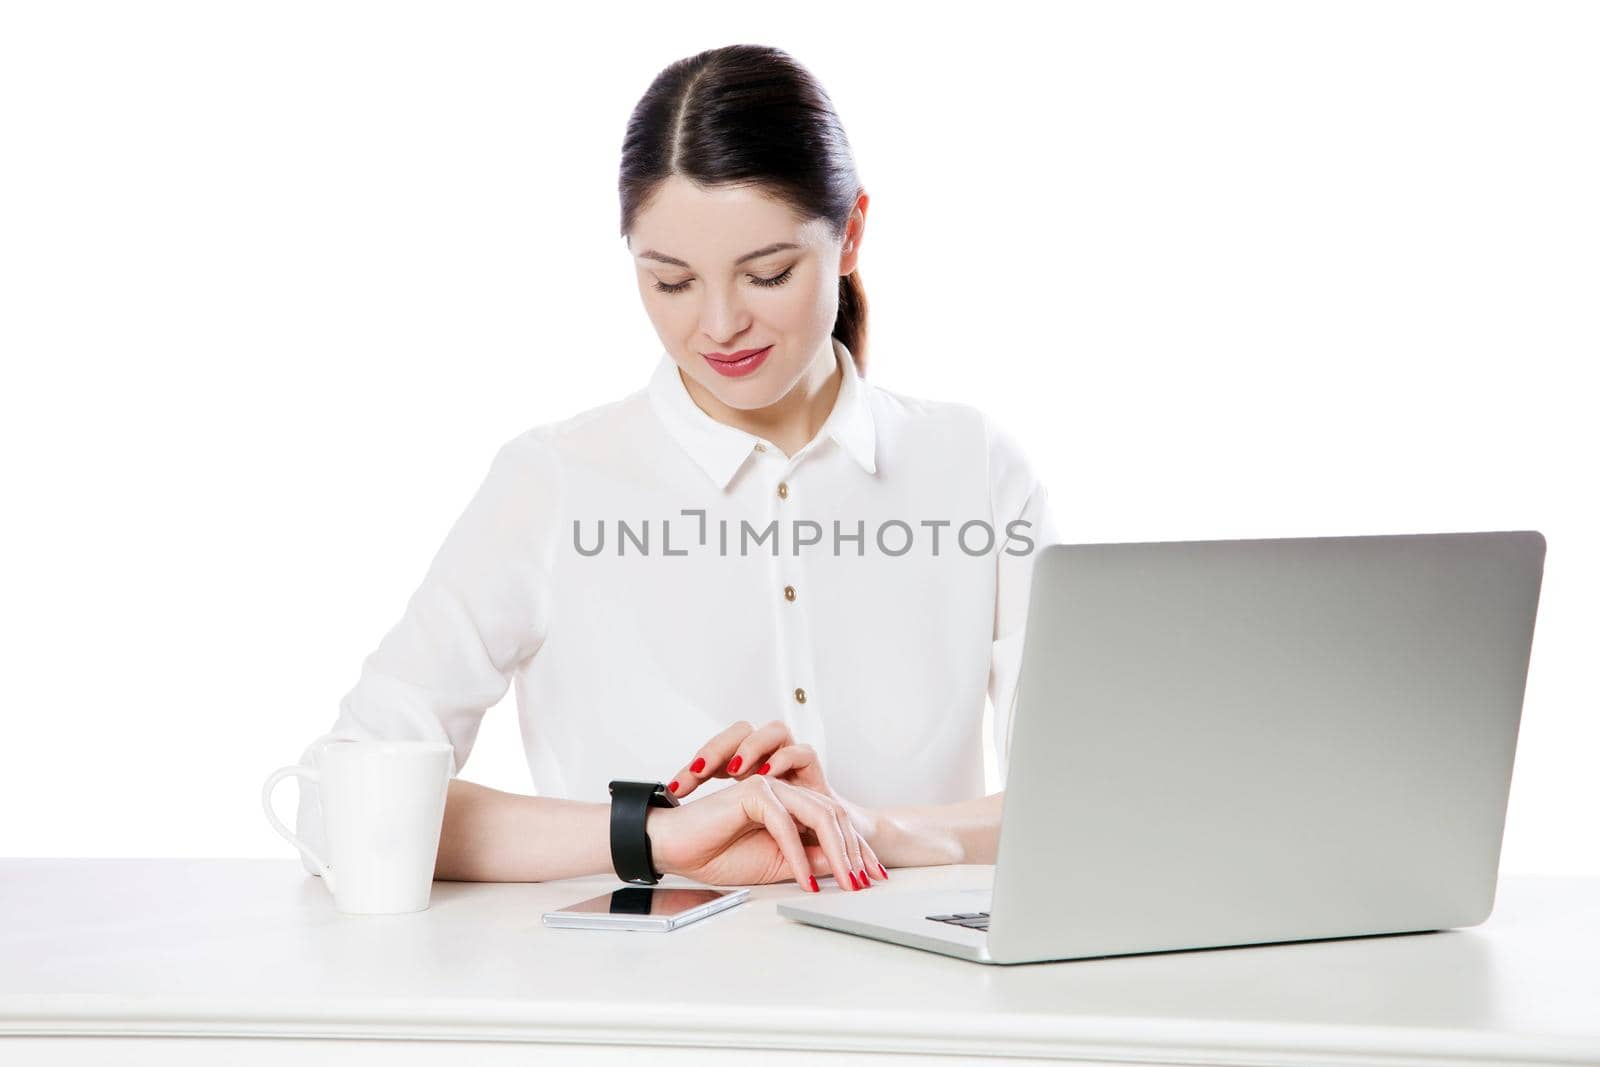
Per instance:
{"type": "Point", "coordinates": [738, 364]}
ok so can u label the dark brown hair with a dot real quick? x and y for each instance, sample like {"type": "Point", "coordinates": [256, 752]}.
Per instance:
{"type": "Point", "coordinates": [749, 114]}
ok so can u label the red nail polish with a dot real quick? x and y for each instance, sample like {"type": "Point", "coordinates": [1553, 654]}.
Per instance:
{"type": "Point", "coordinates": [698, 765]}
{"type": "Point", "coordinates": [864, 879]}
{"type": "Point", "coordinates": [814, 888]}
{"type": "Point", "coordinates": [733, 767]}
{"type": "Point", "coordinates": [883, 872]}
{"type": "Point", "coordinates": [765, 767]}
{"type": "Point", "coordinates": [853, 883]}
{"type": "Point", "coordinates": [673, 788]}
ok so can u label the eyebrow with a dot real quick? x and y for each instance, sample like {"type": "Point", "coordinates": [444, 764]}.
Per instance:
{"type": "Point", "coordinates": [757, 254]}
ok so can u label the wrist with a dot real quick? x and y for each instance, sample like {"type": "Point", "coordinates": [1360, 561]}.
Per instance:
{"type": "Point", "coordinates": [887, 835]}
{"type": "Point", "coordinates": [655, 828]}
{"type": "Point", "coordinates": [906, 837]}
{"type": "Point", "coordinates": [632, 848]}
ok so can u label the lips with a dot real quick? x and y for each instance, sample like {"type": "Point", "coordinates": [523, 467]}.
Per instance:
{"type": "Point", "coordinates": [731, 357]}
{"type": "Point", "coordinates": [739, 364]}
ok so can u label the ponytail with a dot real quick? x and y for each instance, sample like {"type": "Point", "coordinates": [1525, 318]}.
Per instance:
{"type": "Point", "coordinates": [851, 325]}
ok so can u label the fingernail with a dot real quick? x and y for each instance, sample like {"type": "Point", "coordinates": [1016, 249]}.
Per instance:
{"type": "Point", "coordinates": [673, 788]}
{"type": "Point", "coordinates": [765, 767]}
{"type": "Point", "coordinates": [883, 872]}
{"type": "Point", "coordinates": [733, 766]}
{"type": "Point", "coordinates": [853, 883]}
{"type": "Point", "coordinates": [814, 888]}
{"type": "Point", "coordinates": [698, 765]}
{"type": "Point", "coordinates": [864, 879]}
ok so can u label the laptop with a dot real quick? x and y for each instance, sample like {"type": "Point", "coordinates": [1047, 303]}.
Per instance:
{"type": "Point", "coordinates": [1243, 742]}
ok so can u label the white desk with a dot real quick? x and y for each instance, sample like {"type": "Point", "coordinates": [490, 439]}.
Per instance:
{"type": "Point", "coordinates": [175, 961]}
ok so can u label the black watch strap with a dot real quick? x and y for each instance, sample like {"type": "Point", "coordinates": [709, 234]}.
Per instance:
{"type": "Point", "coordinates": [630, 844]}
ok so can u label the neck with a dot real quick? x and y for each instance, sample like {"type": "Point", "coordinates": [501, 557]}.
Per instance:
{"type": "Point", "coordinates": [792, 421]}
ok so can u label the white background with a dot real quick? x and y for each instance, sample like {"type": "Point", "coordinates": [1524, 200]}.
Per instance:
{"type": "Point", "coordinates": [276, 280]}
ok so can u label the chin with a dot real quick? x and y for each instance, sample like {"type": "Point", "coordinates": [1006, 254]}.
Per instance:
{"type": "Point", "coordinates": [751, 391]}
{"type": "Point", "coordinates": [744, 396]}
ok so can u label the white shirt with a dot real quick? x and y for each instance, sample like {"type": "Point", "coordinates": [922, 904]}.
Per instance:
{"type": "Point", "coordinates": [627, 660]}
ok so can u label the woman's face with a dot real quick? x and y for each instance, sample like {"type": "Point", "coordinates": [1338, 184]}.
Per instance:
{"type": "Point", "coordinates": [710, 299]}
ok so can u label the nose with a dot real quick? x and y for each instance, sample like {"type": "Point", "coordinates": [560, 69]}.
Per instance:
{"type": "Point", "coordinates": [723, 316]}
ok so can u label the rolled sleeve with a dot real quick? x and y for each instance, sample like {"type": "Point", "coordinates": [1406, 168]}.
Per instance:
{"type": "Point", "coordinates": [1024, 523]}
{"type": "Point", "coordinates": [481, 610]}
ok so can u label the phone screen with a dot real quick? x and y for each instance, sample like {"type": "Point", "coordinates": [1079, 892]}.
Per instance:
{"type": "Point", "coordinates": [643, 907]}
{"type": "Point", "coordinates": [645, 900]}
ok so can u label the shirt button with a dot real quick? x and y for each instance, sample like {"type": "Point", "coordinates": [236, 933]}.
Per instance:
{"type": "Point", "coordinates": [783, 489]}
{"type": "Point", "coordinates": [788, 592]}
{"type": "Point", "coordinates": [760, 447]}
{"type": "Point", "coordinates": [800, 695]}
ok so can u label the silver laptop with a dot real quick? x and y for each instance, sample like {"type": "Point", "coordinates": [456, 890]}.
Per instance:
{"type": "Point", "coordinates": [1221, 743]}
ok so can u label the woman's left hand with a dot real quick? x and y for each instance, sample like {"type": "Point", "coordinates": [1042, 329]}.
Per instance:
{"type": "Point", "coordinates": [742, 751]}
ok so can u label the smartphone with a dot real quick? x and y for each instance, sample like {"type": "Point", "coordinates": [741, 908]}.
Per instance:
{"type": "Point", "coordinates": [644, 907]}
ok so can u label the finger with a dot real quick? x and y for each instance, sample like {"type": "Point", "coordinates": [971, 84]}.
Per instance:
{"type": "Point", "coordinates": [857, 873]}
{"type": "Point", "coordinates": [779, 821]}
{"type": "Point", "coordinates": [846, 832]}
{"type": "Point", "coordinates": [852, 841]}
{"type": "Point", "coordinates": [819, 859]}
{"type": "Point", "coordinates": [874, 865]}
{"type": "Point", "coordinates": [794, 760]}
{"type": "Point", "coordinates": [709, 760]}
{"type": "Point", "coordinates": [849, 814]}
{"type": "Point", "coordinates": [809, 808]}
{"type": "Point", "coordinates": [756, 749]}
{"type": "Point", "coordinates": [799, 765]}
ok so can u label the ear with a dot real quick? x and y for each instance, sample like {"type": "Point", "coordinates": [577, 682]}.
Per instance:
{"type": "Point", "coordinates": [855, 226]}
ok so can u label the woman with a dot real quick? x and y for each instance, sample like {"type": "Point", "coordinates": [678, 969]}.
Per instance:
{"type": "Point", "coordinates": [756, 536]}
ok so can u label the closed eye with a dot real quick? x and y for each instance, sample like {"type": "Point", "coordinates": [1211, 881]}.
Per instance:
{"type": "Point", "coordinates": [769, 283]}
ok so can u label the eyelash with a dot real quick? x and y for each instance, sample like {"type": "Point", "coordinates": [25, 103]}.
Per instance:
{"type": "Point", "coordinates": [769, 283]}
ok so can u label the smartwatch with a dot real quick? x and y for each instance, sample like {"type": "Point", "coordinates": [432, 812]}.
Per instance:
{"type": "Point", "coordinates": [630, 844]}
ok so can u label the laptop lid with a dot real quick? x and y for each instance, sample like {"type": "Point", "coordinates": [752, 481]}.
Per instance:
{"type": "Point", "coordinates": [1248, 741]}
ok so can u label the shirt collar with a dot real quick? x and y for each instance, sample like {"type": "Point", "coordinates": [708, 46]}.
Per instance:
{"type": "Point", "coordinates": [720, 450]}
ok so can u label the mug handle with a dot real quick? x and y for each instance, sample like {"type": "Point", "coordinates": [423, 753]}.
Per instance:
{"type": "Point", "coordinates": [314, 775]}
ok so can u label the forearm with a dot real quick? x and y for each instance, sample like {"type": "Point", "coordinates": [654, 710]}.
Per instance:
{"type": "Point", "coordinates": [493, 836]}
{"type": "Point", "coordinates": [929, 835]}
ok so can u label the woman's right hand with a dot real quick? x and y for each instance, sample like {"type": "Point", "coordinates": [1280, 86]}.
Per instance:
{"type": "Point", "coordinates": [750, 834]}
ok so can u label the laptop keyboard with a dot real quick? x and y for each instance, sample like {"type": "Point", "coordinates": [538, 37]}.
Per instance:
{"type": "Point", "coordinates": [972, 920]}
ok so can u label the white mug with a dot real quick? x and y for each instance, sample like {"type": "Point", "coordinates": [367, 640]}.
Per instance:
{"type": "Point", "coordinates": [382, 813]}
